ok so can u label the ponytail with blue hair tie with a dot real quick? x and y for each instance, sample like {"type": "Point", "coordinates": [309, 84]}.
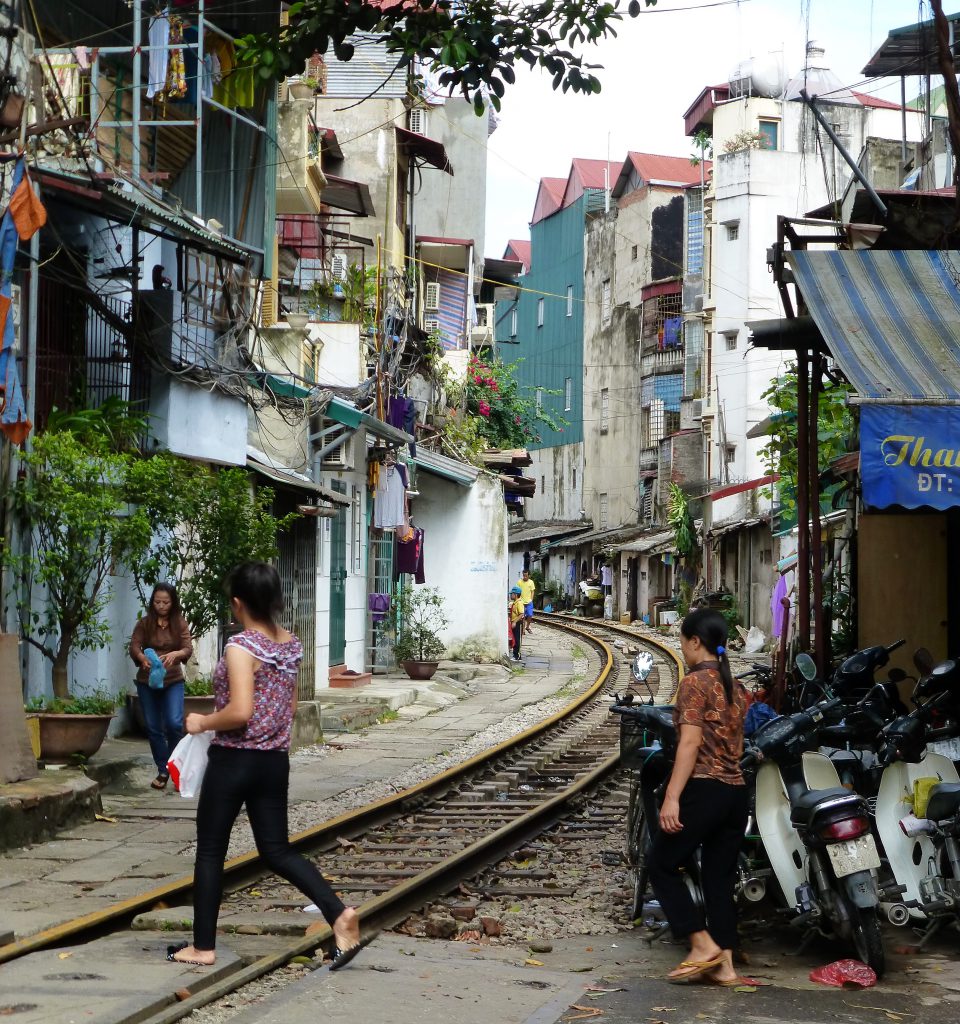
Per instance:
{"type": "Point", "coordinates": [721, 650]}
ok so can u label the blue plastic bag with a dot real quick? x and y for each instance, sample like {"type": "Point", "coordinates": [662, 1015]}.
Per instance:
{"type": "Point", "coordinates": [757, 714]}
{"type": "Point", "coordinates": [157, 671]}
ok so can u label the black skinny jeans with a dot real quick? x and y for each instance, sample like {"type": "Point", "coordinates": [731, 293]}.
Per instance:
{"type": "Point", "coordinates": [517, 630]}
{"type": "Point", "coordinates": [714, 817]}
{"type": "Point", "coordinates": [259, 779]}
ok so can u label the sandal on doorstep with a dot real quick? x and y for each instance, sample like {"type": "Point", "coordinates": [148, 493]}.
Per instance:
{"type": "Point", "coordinates": [693, 969]}
{"type": "Point", "coordinates": [341, 957]}
{"type": "Point", "coordinates": [160, 782]}
{"type": "Point", "coordinates": [172, 950]}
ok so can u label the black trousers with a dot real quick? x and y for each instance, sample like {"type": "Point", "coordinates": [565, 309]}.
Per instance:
{"type": "Point", "coordinates": [259, 779]}
{"type": "Point", "coordinates": [714, 817]}
{"type": "Point", "coordinates": [517, 629]}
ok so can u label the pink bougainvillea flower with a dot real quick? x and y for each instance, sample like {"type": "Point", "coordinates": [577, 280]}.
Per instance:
{"type": "Point", "coordinates": [483, 408]}
{"type": "Point", "coordinates": [516, 419]}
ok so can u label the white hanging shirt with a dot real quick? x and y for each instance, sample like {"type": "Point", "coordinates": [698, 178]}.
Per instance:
{"type": "Point", "coordinates": [390, 507]}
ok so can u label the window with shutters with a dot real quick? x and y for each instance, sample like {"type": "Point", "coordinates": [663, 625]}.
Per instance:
{"type": "Point", "coordinates": [569, 300]}
{"type": "Point", "coordinates": [539, 400]}
{"type": "Point", "coordinates": [604, 504]}
{"type": "Point", "coordinates": [605, 305]}
{"type": "Point", "coordinates": [431, 296]}
{"type": "Point", "coordinates": [604, 410]}
{"type": "Point", "coordinates": [568, 394]}
{"type": "Point", "coordinates": [539, 312]}
{"type": "Point", "coordinates": [513, 323]}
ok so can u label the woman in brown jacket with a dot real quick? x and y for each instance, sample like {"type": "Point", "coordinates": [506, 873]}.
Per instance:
{"type": "Point", "coordinates": [164, 629]}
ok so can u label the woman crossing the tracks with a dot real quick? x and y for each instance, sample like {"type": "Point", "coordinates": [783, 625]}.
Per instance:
{"type": "Point", "coordinates": [705, 805]}
{"type": "Point", "coordinates": [256, 696]}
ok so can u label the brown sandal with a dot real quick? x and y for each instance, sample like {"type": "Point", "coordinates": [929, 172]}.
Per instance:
{"type": "Point", "coordinates": [160, 782]}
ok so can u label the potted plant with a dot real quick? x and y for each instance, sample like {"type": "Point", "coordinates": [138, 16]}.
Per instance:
{"type": "Point", "coordinates": [418, 619]}
{"type": "Point", "coordinates": [198, 696]}
{"type": "Point", "coordinates": [71, 726]}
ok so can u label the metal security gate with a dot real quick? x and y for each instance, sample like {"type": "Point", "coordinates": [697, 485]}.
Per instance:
{"type": "Point", "coordinates": [338, 582]}
{"type": "Point", "coordinates": [380, 581]}
{"type": "Point", "coordinates": [297, 566]}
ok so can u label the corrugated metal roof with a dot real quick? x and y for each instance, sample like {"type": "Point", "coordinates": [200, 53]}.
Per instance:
{"type": "Point", "coordinates": [520, 247]}
{"type": "Point", "coordinates": [655, 167]}
{"type": "Point", "coordinates": [891, 319]}
{"type": "Point", "coordinates": [526, 531]}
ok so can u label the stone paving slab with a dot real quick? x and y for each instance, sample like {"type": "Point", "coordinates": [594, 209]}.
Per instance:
{"type": "Point", "coordinates": [414, 981]}
{"type": "Point", "coordinates": [114, 980]}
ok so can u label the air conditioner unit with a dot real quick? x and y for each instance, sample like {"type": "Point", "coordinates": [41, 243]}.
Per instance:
{"type": "Point", "coordinates": [697, 408]}
{"type": "Point", "coordinates": [340, 458]}
{"type": "Point", "coordinates": [431, 326]}
{"type": "Point", "coordinates": [417, 121]}
{"type": "Point", "coordinates": [431, 296]}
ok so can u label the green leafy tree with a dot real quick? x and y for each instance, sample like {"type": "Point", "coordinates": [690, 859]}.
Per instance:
{"type": "Point", "coordinates": [475, 45]}
{"type": "Point", "coordinates": [835, 429]}
{"type": "Point", "coordinates": [418, 618]}
{"type": "Point", "coordinates": [206, 523]}
{"type": "Point", "coordinates": [73, 497]}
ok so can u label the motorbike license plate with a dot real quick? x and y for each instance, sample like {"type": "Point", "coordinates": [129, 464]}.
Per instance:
{"type": "Point", "coordinates": [853, 855]}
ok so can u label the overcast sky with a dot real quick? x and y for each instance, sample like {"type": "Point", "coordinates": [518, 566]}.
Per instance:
{"type": "Point", "coordinates": [652, 72]}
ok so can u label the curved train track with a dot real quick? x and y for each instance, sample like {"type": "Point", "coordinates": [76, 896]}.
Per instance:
{"type": "Point", "coordinates": [428, 839]}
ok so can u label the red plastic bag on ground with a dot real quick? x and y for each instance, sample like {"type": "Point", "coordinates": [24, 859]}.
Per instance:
{"type": "Point", "coordinates": [845, 974]}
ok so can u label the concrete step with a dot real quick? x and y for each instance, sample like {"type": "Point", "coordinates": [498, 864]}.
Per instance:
{"type": "Point", "coordinates": [337, 718]}
{"type": "Point", "coordinates": [383, 694]}
{"type": "Point", "coordinates": [349, 680]}
{"type": "Point", "coordinates": [35, 809]}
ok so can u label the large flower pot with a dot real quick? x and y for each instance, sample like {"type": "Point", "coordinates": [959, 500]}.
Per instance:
{"type": "Point", "coordinates": [64, 736]}
{"type": "Point", "coordinates": [204, 705]}
{"type": "Point", "coordinates": [420, 669]}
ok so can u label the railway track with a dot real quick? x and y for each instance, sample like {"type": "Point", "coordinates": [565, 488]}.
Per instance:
{"type": "Point", "coordinates": [396, 855]}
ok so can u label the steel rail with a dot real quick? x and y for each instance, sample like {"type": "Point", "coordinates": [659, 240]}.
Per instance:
{"type": "Point", "coordinates": [556, 617]}
{"type": "Point", "coordinates": [248, 867]}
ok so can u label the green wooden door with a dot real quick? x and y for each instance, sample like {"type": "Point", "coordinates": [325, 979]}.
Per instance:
{"type": "Point", "coordinates": [338, 583]}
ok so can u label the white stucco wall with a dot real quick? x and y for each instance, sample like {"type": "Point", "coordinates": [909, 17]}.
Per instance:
{"type": "Point", "coordinates": [465, 558]}
{"type": "Point", "coordinates": [558, 472]}
{"type": "Point", "coordinates": [200, 424]}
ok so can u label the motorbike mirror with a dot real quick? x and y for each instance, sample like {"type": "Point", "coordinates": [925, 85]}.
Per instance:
{"type": "Point", "coordinates": [642, 665]}
{"type": "Point", "coordinates": [923, 660]}
{"type": "Point", "coordinates": [897, 675]}
{"type": "Point", "coordinates": [806, 666]}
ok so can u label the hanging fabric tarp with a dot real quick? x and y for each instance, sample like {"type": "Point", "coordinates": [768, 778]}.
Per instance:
{"type": "Point", "coordinates": [24, 216]}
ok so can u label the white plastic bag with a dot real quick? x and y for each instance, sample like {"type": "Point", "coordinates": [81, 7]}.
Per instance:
{"type": "Point", "coordinates": [188, 762]}
{"type": "Point", "coordinates": [755, 641]}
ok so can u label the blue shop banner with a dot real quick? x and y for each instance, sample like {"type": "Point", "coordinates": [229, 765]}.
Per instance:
{"type": "Point", "coordinates": [910, 455]}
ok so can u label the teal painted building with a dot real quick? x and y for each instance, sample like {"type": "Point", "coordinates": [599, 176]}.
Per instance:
{"type": "Point", "coordinates": [543, 326]}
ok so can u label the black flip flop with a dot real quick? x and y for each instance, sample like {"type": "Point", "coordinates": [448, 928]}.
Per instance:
{"type": "Point", "coordinates": [176, 949]}
{"type": "Point", "coordinates": [160, 782]}
{"type": "Point", "coordinates": [341, 957]}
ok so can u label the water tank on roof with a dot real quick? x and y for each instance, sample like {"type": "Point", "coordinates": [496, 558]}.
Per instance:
{"type": "Point", "coordinates": [819, 80]}
{"type": "Point", "coordinates": [759, 76]}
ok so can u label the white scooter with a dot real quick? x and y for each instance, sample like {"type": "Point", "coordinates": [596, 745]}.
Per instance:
{"type": "Point", "coordinates": [914, 844]}
{"type": "Point", "coordinates": [815, 833]}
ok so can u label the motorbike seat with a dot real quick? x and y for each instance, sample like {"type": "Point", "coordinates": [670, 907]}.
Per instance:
{"type": "Point", "coordinates": [802, 809]}
{"type": "Point", "coordinates": [944, 801]}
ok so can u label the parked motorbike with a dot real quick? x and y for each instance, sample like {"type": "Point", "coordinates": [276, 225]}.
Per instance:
{"type": "Point", "coordinates": [817, 838]}
{"type": "Point", "coordinates": [922, 843]}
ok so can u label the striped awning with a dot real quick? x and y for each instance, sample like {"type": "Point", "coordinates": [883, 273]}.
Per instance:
{"type": "Point", "coordinates": [890, 318]}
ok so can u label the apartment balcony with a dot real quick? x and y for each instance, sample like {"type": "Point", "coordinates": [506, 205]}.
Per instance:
{"type": "Point", "coordinates": [649, 457]}
{"type": "Point", "coordinates": [667, 361]}
{"type": "Point", "coordinates": [300, 179]}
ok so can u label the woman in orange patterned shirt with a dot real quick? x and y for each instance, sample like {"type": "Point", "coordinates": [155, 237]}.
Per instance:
{"type": "Point", "coordinates": [705, 804]}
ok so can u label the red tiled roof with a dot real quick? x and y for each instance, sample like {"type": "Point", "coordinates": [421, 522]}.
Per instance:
{"type": "Point", "coordinates": [549, 198]}
{"type": "Point", "coordinates": [653, 167]}
{"type": "Point", "coordinates": [520, 250]}
{"type": "Point", "coordinates": [874, 101]}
